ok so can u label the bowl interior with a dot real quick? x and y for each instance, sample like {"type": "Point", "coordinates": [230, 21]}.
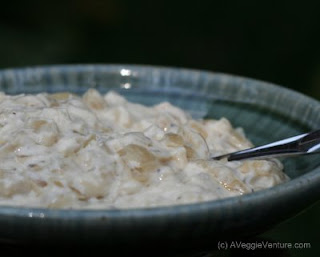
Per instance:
{"type": "Point", "coordinates": [266, 112]}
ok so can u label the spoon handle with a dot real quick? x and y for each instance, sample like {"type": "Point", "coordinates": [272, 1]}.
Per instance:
{"type": "Point", "coordinates": [298, 145]}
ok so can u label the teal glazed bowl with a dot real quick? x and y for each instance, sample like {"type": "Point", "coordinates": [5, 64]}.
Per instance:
{"type": "Point", "coordinates": [265, 111]}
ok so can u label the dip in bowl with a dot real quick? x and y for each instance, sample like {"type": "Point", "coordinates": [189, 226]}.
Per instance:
{"type": "Point", "coordinates": [265, 112]}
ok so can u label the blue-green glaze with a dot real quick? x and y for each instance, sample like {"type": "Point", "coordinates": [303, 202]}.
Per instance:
{"type": "Point", "coordinates": [267, 112]}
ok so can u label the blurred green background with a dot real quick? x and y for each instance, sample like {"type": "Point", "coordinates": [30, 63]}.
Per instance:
{"type": "Point", "coordinates": [275, 41]}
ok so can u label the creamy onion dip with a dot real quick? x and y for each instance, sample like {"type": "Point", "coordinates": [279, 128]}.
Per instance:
{"type": "Point", "coordinates": [101, 151]}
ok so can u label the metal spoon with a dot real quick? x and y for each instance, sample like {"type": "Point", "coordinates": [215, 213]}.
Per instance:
{"type": "Point", "coordinates": [298, 145]}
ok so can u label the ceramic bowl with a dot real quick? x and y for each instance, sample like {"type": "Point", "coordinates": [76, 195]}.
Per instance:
{"type": "Point", "coordinates": [265, 111]}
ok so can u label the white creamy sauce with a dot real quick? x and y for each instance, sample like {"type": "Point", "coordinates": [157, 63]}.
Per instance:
{"type": "Point", "coordinates": [101, 151]}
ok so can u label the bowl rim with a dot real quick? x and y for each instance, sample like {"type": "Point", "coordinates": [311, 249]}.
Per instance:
{"type": "Point", "coordinates": [303, 183]}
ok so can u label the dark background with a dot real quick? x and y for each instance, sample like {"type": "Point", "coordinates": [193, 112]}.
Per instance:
{"type": "Point", "coordinates": [275, 41]}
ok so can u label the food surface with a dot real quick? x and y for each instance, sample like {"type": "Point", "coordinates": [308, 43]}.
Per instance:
{"type": "Point", "coordinates": [101, 151]}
